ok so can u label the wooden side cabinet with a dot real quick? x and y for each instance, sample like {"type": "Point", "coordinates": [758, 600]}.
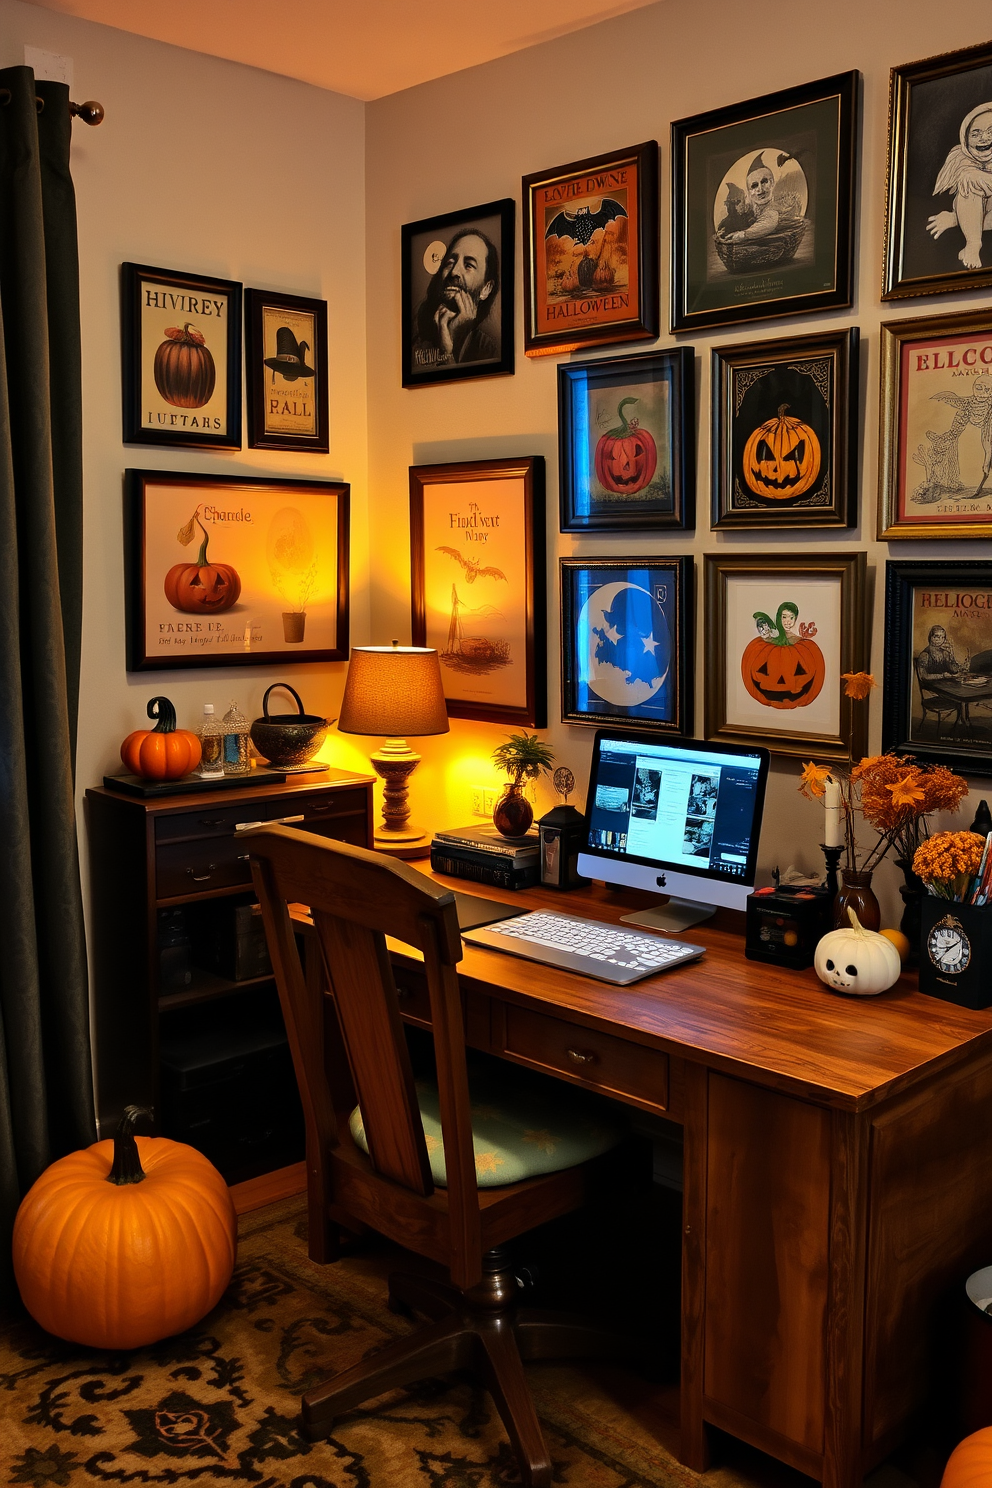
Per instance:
{"type": "Point", "coordinates": [185, 1022]}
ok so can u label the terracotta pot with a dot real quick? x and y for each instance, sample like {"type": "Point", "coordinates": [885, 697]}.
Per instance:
{"type": "Point", "coordinates": [856, 893]}
{"type": "Point", "coordinates": [514, 813]}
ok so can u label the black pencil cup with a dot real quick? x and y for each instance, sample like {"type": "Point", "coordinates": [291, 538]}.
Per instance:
{"type": "Point", "coordinates": [956, 951]}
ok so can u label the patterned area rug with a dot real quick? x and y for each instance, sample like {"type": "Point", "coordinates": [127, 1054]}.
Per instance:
{"type": "Point", "coordinates": [219, 1404]}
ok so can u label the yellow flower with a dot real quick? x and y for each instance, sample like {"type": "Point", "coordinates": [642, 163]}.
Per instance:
{"type": "Point", "coordinates": [542, 1139]}
{"type": "Point", "coordinates": [487, 1162]}
{"type": "Point", "coordinates": [857, 684]}
{"type": "Point", "coordinates": [813, 782]}
{"type": "Point", "coordinates": [947, 855]}
{"type": "Point", "coordinates": [905, 790]}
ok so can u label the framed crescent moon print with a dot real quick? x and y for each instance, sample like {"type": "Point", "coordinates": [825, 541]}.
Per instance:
{"type": "Point", "coordinates": [626, 642]}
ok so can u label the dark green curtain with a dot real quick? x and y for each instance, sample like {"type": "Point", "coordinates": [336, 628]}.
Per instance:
{"type": "Point", "coordinates": [46, 1103]}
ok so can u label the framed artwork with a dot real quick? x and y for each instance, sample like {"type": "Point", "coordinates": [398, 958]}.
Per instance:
{"type": "Point", "coordinates": [935, 423]}
{"type": "Point", "coordinates": [225, 571]}
{"type": "Point", "coordinates": [781, 630]}
{"type": "Point", "coordinates": [762, 193]}
{"type": "Point", "coordinates": [181, 336]}
{"type": "Point", "coordinates": [785, 432]}
{"type": "Point", "coordinates": [626, 642]}
{"type": "Point", "coordinates": [457, 273]}
{"type": "Point", "coordinates": [477, 547]}
{"type": "Point", "coordinates": [937, 699]}
{"type": "Point", "coordinates": [627, 442]}
{"type": "Point", "coordinates": [591, 251]}
{"type": "Point", "coordinates": [286, 371]}
{"type": "Point", "coordinates": [939, 195]}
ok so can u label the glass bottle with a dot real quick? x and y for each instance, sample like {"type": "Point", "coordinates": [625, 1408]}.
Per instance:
{"type": "Point", "coordinates": [211, 745]}
{"type": "Point", "coordinates": [236, 726]}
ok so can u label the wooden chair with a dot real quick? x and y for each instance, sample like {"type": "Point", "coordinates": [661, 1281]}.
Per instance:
{"type": "Point", "coordinates": [931, 699]}
{"type": "Point", "coordinates": [356, 898]}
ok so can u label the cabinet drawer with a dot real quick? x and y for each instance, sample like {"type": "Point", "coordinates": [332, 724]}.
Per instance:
{"type": "Point", "coordinates": [192, 867]}
{"type": "Point", "coordinates": [341, 815]}
{"type": "Point", "coordinates": [598, 1060]}
{"type": "Point", "coordinates": [216, 821]}
{"type": "Point", "coordinates": [412, 995]}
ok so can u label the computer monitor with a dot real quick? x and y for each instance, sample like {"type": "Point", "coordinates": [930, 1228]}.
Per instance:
{"type": "Point", "coordinates": [676, 815]}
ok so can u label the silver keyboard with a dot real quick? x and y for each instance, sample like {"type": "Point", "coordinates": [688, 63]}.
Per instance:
{"type": "Point", "coordinates": [607, 952]}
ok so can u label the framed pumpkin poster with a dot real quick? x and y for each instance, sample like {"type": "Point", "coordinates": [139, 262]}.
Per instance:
{"type": "Point", "coordinates": [182, 359]}
{"type": "Point", "coordinates": [234, 572]}
{"type": "Point", "coordinates": [627, 442]}
{"type": "Point", "coordinates": [785, 445]}
{"type": "Point", "coordinates": [781, 631]}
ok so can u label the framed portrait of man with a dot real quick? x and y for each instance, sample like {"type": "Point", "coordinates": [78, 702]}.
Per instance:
{"type": "Point", "coordinates": [458, 295]}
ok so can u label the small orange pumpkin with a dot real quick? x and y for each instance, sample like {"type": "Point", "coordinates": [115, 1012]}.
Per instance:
{"type": "Point", "coordinates": [164, 752]}
{"type": "Point", "coordinates": [125, 1242]}
{"type": "Point", "coordinates": [970, 1464]}
{"type": "Point", "coordinates": [781, 457]}
{"type": "Point", "coordinates": [184, 368]}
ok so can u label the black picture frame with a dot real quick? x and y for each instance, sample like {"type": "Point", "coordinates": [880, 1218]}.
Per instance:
{"type": "Point", "coordinates": [667, 587]}
{"type": "Point", "coordinates": [934, 105]}
{"type": "Point", "coordinates": [794, 402]}
{"type": "Point", "coordinates": [287, 396]}
{"type": "Point", "coordinates": [927, 710]}
{"type": "Point", "coordinates": [638, 473]}
{"type": "Point", "coordinates": [427, 243]}
{"type": "Point", "coordinates": [804, 140]}
{"type": "Point", "coordinates": [251, 629]}
{"type": "Point", "coordinates": [195, 307]}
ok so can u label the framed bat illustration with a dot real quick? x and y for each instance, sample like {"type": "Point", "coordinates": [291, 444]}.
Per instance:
{"type": "Point", "coordinates": [477, 545]}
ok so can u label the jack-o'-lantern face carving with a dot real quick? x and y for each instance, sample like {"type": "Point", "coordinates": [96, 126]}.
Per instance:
{"type": "Point", "coordinates": [627, 456]}
{"type": "Point", "coordinates": [781, 457]}
{"type": "Point", "coordinates": [788, 675]}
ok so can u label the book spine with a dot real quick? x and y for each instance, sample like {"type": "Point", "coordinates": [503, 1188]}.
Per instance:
{"type": "Point", "coordinates": [494, 849]}
{"type": "Point", "coordinates": [499, 876]}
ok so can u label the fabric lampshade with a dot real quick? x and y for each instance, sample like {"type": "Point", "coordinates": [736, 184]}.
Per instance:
{"type": "Point", "coordinates": [393, 690]}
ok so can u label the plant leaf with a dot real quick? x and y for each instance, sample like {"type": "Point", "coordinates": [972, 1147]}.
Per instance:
{"type": "Point", "coordinates": [185, 534]}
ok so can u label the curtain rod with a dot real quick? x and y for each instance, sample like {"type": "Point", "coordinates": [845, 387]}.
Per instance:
{"type": "Point", "coordinates": [90, 112]}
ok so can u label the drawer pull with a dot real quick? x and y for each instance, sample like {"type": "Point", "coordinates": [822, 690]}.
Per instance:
{"type": "Point", "coordinates": [577, 1057]}
{"type": "Point", "coordinates": [211, 821]}
{"type": "Point", "coordinates": [201, 877]}
{"type": "Point", "coordinates": [243, 857]}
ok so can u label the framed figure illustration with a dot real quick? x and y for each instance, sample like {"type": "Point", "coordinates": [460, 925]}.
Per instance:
{"type": "Point", "coordinates": [591, 251]}
{"type": "Point", "coordinates": [224, 571]}
{"type": "Point", "coordinates": [938, 227]}
{"type": "Point", "coordinates": [478, 590]}
{"type": "Point", "coordinates": [457, 275]}
{"type": "Point", "coordinates": [182, 358]}
{"type": "Point", "coordinates": [286, 366]}
{"type": "Point", "coordinates": [627, 442]}
{"type": "Point", "coordinates": [937, 701]}
{"type": "Point", "coordinates": [781, 631]}
{"type": "Point", "coordinates": [626, 642]}
{"type": "Point", "coordinates": [935, 421]}
{"type": "Point", "coordinates": [762, 206]}
{"type": "Point", "coordinates": [785, 445]}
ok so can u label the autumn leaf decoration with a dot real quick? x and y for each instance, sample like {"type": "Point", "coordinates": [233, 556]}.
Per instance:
{"type": "Point", "coordinates": [187, 334]}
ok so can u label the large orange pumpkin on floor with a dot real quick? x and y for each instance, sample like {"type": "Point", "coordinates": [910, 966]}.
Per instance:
{"type": "Point", "coordinates": [970, 1464]}
{"type": "Point", "coordinates": [783, 674]}
{"type": "Point", "coordinates": [626, 457]}
{"type": "Point", "coordinates": [781, 457]}
{"type": "Point", "coordinates": [184, 368]}
{"type": "Point", "coordinates": [125, 1242]}
{"type": "Point", "coordinates": [164, 752]}
{"type": "Point", "coordinates": [201, 588]}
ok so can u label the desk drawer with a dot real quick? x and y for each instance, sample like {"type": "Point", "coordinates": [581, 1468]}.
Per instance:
{"type": "Point", "coordinates": [214, 821]}
{"type": "Point", "coordinates": [192, 867]}
{"type": "Point", "coordinates": [341, 815]}
{"type": "Point", "coordinates": [598, 1060]}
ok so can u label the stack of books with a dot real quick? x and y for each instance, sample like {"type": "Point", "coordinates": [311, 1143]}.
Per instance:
{"type": "Point", "coordinates": [486, 857]}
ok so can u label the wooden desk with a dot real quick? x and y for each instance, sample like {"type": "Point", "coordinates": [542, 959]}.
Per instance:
{"type": "Point", "coordinates": [838, 1167]}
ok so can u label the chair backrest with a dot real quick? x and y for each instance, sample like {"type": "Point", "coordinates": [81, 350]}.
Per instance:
{"type": "Point", "coordinates": [927, 692]}
{"type": "Point", "coordinates": [355, 899]}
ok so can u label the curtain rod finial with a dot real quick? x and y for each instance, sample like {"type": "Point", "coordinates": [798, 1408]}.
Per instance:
{"type": "Point", "coordinates": [90, 112]}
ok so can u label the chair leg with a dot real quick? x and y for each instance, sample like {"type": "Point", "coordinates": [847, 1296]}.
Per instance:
{"type": "Point", "coordinates": [433, 1350]}
{"type": "Point", "coordinates": [503, 1372]}
{"type": "Point", "coordinates": [423, 1294]}
{"type": "Point", "coordinates": [556, 1335]}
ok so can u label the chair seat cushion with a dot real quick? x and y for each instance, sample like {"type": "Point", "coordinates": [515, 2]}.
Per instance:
{"type": "Point", "coordinates": [520, 1130]}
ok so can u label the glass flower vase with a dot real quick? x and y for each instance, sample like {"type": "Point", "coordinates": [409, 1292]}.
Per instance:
{"type": "Point", "coordinates": [856, 893]}
{"type": "Point", "coordinates": [514, 814]}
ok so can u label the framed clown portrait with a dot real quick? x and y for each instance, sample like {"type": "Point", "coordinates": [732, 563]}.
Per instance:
{"type": "Point", "coordinates": [286, 371]}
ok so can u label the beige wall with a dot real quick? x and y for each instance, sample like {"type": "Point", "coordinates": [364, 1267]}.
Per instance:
{"type": "Point", "coordinates": [469, 138]}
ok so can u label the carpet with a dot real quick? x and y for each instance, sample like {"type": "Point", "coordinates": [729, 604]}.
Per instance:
{"type": "Point", "coordinates": [219, 1404]}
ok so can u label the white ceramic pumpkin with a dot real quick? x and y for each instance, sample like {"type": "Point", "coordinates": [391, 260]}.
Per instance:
{"type": "Point", "coordinates": [857, 961]}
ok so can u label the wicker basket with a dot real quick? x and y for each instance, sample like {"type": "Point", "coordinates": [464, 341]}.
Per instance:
{"type": "Point", "coordinates": [758, 253]}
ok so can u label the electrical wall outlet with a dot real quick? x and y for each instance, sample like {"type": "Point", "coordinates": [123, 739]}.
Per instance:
{"type": "Point", "coordinates": [484, 798]}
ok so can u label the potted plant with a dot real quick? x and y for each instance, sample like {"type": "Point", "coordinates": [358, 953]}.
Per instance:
{"type": "Point", "coordinates": [522, 757]}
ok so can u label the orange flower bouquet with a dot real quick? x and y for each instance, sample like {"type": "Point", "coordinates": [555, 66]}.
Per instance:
{"type": "Point", "coordinates": [955, 865]}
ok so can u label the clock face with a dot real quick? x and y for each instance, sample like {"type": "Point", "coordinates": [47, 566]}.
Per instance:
{"type": "Point", "coordinates": [949, 947]}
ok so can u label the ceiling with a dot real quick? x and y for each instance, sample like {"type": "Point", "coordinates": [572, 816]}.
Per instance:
{"type": "Point", "coordinates": [363, 48]}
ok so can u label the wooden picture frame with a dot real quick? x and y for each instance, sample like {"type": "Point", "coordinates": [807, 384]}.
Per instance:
{"type": "Point", "coordinates": [273, 587]}
{"type": "Point", "coordinates": [591, 251]}
{"type": "Point", "coordinates": [627, 442]}
{"type": "Point", "coordinates": [762, 206]}
{"type": "Point", "coordinates": [763, 673]}
{"type": "Point", "coordinates": [286, 371]}
{"type": "Point", "coordinates": [465, 330]}
{"type": "Point", "coordinates": [939, 131]}
{"type": "Point", "coordinates": [626, 642]}
{"type": "Point", "coordinates": [934, 405]}
{"type": "Point", "coordinates": [785, 432]}
{"type": "Point", "coordinates": [937, 695]}
{"type": "Point", "coordinates": [482, 522]}
{"type": "Point", "coordinates": [181, 358]}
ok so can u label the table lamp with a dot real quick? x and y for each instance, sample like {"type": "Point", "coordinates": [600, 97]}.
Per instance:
{"type": "Point", "coordinates": [395, 690]}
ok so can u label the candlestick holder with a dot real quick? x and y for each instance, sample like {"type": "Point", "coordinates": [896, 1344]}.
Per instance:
{"type": "Point", "coordinates": [832, 855]}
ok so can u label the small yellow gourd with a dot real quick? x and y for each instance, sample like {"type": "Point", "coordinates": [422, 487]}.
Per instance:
{"type": "Point", "coordinates": [857, 961]}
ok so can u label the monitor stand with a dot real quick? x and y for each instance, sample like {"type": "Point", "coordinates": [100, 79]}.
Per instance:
{"type": "Point", "coordinates": [677, 914]}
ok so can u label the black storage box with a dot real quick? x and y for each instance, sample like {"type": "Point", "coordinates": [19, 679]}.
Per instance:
{"type": "Point", "coordinates": [956, 951]}
{"type": "Point", "coordinates": [228, 938]}
{"type": "Point", "coordinates": [784, 925]}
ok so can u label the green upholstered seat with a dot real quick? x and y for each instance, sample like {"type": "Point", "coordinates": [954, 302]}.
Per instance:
{"type": "Point", "coordinates": [522, 1126]}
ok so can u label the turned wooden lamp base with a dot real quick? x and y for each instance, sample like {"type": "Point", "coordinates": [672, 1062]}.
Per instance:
{"type": "Point", "coordinates": [395, 762]}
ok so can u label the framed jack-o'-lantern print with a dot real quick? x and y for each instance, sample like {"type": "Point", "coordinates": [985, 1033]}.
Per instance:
{"type": "Point", "coordinates": [781, 632]}
{"type": "Point", "coordinates": [785, 446]}
{"type": "Point", "coordinates": [626, 442]}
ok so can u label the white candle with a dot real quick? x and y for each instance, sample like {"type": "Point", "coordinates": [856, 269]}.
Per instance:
{"type": "Point", "coordinates": [833, 836]}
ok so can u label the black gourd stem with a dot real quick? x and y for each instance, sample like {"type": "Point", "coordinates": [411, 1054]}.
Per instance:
{"type": "Point", "coordinates": [164, 712]}
{"type": "Point", "coordinates": [126, 1167]}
